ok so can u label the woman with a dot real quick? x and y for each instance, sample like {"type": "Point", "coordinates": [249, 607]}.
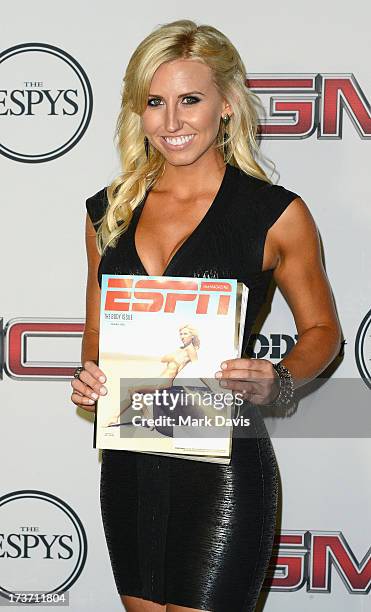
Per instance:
{"type": "Point", "coordinates": [192, 201]}
{"type": "Point", "coordinates": [185, 354]}
{"type": "Point", "coordinates": [175, 362]}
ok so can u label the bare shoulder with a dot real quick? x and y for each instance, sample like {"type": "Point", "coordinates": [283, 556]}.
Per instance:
{"type": "Point", "coordinates": [295, 232]}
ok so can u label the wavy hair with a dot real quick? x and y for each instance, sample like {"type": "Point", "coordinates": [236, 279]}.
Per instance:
{"type": "Point", "coordinates": [180, 39]}
{"type": "Point", "coordinates": [194, 332]}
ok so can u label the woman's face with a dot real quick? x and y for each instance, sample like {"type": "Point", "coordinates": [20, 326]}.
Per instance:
{"type": "Point", "coordinates": [183, 101]}
{"type": "Point", "coordinates": [185, 336]}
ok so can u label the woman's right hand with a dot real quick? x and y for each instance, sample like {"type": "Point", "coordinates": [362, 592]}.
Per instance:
{"type": "Point", "coordinates": [88, 387]}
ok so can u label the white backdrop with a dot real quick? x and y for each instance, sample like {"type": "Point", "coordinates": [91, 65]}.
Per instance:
{"type": "Point", "coordinates": [46, 450]}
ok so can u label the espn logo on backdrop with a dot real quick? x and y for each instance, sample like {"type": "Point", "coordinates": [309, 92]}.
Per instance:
{"type": "Point", "coordinates": [309, 558]}
{"type": "Point", "coordinates": [22, 360]}
{"type": "Point", "coordinates": [298, 105]}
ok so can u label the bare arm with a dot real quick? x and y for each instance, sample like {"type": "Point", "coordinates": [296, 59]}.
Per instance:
{"type": "Point", "coordinates": [88, 387]}
{"type": "Point", "coordinates": [90, 339]}
{"type": "Point", "coordinates": [301, 277]}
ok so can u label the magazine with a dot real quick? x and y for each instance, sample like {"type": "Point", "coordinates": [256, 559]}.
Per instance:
{"type": "Point", "coordinates": [161, 341]}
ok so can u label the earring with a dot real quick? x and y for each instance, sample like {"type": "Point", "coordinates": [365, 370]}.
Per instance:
{"type": "Point", "coordinates": [226, 120]}
{"type": "Point", "coordinates": [146, 147]}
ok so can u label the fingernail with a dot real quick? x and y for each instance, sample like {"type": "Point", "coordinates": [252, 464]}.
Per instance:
{"type": "Point", "coordinates": [223, 365]}
{"type": "Point", "coordinates": [90, 401]}
{"type": "Point", "coordinates": [102, 379]}
{"type": "Point", "coordinates": [218, 375]}
{"type": "Point", "coordinates": [94, 396]}
{"type": "Point", "coordinates": [103, 390]}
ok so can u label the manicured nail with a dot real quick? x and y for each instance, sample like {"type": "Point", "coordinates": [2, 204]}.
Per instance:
{"type": "Point", "coordinates": [94, 396]}
{"type": "Point", "coordinates": [90, 401]}
{"type": "Point", "coordinates": [223, 365]}
{"type": "Point", "coordinates": [102, 379]}
{"type": "Point", "coordinates": [103, 390]}
{"type": "Point", "coordinates": [218, 374]}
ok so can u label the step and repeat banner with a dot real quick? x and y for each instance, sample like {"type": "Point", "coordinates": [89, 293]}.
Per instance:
{"type": "Point", "coordinates": [61, 69]}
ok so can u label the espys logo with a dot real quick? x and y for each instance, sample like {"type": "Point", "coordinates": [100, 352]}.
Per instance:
{"type": "Point", "coordinates": [43, 544]}
{"type": "Point", "coordinates": [30, 344]}
{"type": "Point", "coordinates": [46, 102]}
{"type": "Point", "coordinates": [363, 349]}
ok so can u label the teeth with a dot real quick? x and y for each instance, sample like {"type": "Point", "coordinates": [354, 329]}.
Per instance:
{"type": "Point", "coordinates": [179, 140]}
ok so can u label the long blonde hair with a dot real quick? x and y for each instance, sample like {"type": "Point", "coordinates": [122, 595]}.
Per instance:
{"type": "Point", "coordinates": [176, 40]}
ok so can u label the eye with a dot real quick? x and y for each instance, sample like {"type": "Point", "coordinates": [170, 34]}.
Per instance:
{"type": "Point", "coordinates": [193, 99]}
{"type": "Point", "coordinates": [153, 100]}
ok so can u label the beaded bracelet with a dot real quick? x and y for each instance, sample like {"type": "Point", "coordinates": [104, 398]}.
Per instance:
{"type": "Point", "coordinates": [286, 393]}
{"type": "Point", "coordinates": [285, 401]}
{"type": "Point", "coordinates": [285, 404]}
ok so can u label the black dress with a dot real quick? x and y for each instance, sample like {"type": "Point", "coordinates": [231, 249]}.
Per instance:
{"type": "Point", "coordinates": [187, 532]}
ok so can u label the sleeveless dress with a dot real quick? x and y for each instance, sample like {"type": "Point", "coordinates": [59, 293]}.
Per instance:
{"type": "Point", "coordinates": [187, 532]}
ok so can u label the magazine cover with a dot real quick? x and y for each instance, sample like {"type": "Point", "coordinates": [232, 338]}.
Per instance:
{"type": "Point", "coordinates": [161, 341]}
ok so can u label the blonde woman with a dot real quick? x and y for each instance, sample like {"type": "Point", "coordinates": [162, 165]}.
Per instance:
{"type": "Point", "coordinates": [185, 354]}
{"type": "Point", "coordinates": [192, 200]}
{"type": "Point", "coordinates": [175, 362]}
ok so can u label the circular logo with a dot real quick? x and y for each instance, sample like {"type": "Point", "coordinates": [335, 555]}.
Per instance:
{"type": "Point", "coordinates": [46, 102]}
{"type": "Point", "coordinates": [42, 542]}
{"type": "Point", "coordinates": [363, 349]}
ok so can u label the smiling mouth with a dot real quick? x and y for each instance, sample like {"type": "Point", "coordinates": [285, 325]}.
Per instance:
{"type": "Point", "coordinates": [179, 140]}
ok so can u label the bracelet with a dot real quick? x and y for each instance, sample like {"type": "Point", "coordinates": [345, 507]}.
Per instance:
{"type": "Point", "coordinates": [285, 403]}
{"type": "Point", "coordinates": [77, 372]}
{"type": "Point", "coordinates": [285, 396]}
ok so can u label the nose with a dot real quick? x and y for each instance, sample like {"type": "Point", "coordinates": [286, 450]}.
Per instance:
{"type": "Point", "coordinates": [172, 118]}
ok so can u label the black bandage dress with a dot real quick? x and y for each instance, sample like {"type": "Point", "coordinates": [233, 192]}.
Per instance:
{"type": "Point", "coordinates": [192, 533]}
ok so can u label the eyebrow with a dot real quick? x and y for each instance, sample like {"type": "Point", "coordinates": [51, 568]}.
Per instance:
{"type": "Point", "coordinates": [188, 93]}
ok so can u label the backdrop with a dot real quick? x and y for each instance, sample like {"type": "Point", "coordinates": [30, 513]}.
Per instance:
{"type": "Point", "coordinates": [61, 70]}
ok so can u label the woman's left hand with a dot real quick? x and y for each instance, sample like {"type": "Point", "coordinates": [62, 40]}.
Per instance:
{"type": "Point", "coordinates": [255, 379]}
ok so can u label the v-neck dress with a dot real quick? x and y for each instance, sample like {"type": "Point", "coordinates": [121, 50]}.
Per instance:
{"type": "Point", "coordinates": [192, 533]}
